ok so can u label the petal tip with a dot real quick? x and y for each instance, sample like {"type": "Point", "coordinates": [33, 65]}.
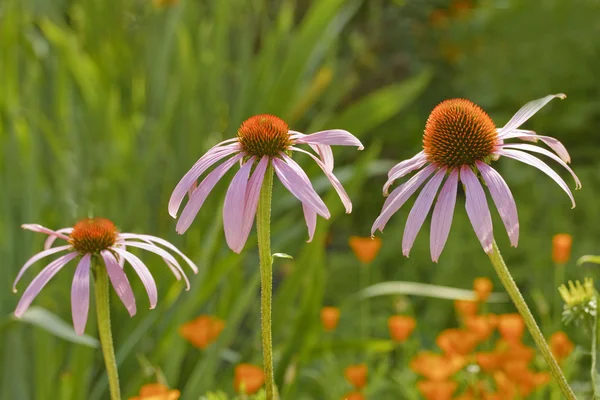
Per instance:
{"type": "Point", "coordinates": [561, 96]}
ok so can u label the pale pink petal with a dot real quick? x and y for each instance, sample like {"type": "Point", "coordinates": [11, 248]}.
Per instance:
{"type": "Point", "coordinates": [296, 181]}
{"type": "Point", "coordinates": [144, 274]}
{"type": "Point", "coordinates": [526, 112]}
{"type": "Point", "coordinates": [332, 137]}
{"type": "Point", "coordinates": [38, 257]}
{"type": "Point", "coordinates": [539, 164]}
{"type": "Point", "coordinates": [211, 157]}
{"type": "Point", "coordinates": [323, 150]}
{"type": "Point", "coordinates": [233, 208]}
{"type": "Point", "coordinates": [119, 281]}
{"type": "Point", "coordinates": [420, 209]}
{"type": "Point", "coordinates": [504, 200]}
{"type": "Point", "coordinates": [399, 196]}
{"type": "Point", "coordinates": [404, 168]}
{"type": "Point", "coordinates": [442, 215]}
{"type": "Point", "coordinates": [310, 216]}
{"type": "Point", "coordinates": [551, 142]}
{"type": "Point", "coordinates": [40, 281]}
{"type": "Point", "coordinates": [477, 208]}
{"type": "Point", "coordinates": [50, 239]}
{"type": "Point", "coordinates": [252, 194]}
{"type": "Point", "coordinates": [201, 192]}
{"type": "Point", "coordinates": [536, 149]}
{"type": "Point", "coordinates": [403, 164]}
{"type": "Point", "coordinates": [333, 179]}
{"type": "Point", "coordinates": [43, 229]}
{"type": "Point", "coordinates": [80, 294]}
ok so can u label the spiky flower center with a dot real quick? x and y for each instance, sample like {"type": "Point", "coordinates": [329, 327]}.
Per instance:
{"type": "Point", "coordinates": [458, 132]}
{"type": "Point", "coordinates": [264, 135]}
{"type": "Point", "coordinates": [92, 235]}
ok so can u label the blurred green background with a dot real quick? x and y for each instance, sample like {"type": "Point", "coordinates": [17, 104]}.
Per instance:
{"type": "Point", "coordinates": [105, 105]}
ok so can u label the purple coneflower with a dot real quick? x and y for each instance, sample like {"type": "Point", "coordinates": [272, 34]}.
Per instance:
{"type": "Point", "coordinates": [459, 143]}
{"type": "Point", "coordinates": [97, 238]}
{"type": "Point", "coordinates": [261, 140]}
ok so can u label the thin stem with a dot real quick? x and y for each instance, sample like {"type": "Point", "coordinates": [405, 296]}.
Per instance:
{"type": "Point", "coordinates": [534, 330]}
{"type": "Point", "coordinates": [263, 227]}
{"type": "Point", "coordinates": [594, 356]}
{"type": "Point", "coordinates": [104, 330]}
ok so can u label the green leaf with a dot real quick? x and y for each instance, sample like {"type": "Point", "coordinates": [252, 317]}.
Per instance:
{"type": "Point", "coordinates": [282, 255]}
{"type": "Point", "coordinates": [425, 290]}
{"type": "Point", "coordinates": [588, 259]}
{"type": "Point", "coordinates": [42, 318]}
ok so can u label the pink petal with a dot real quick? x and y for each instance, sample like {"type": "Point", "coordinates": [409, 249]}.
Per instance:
{"type": "Point", "coordinates": [477, 208]}
{"type": "Point", "coordinates": [119, 281]}
{"type": "Point", "coordinates": [40, 281]}
{"type": "Point", "coordinates": [551, 142]}
{"type": "Point", "coordinates": [323, 150]}
{"type": "Point", "coordinates": [526, 112]}
{"type": "Point", "coordinates": [162, 242]}
{"type": "Point", "coordinates": [332, 137]}
{"type": "Point", "coordinates": [420, 209]}
{"type": "Point", "coordinates": [539, 164]}
{"type": "Point", "coordinates": [144, 274]}
{"type": "Point", "coordinates": [399, 196]}
{"type": "Point", "coordinates": [211, 157]}
{"type": "Point", "coordinates": [310, 216]}
{"type": "Point", "coordinates": [403, 164]}
{"type": "Point", "coordinates": [233, 209]}
{"type": "Point", "coordinates": [333, 179]}
{"type": "Point", "coordinates": [80, 294]}
{"type": "Point", "coordinates": [296, 181]}
{"type": "Point", "coordinates": [504, 200]}
{"type": "Point", "coordinates": [42, 229]}
{"type": "Point", "coordinates": [404, 168]}
{"type": "Point", "coordinates": [442, 216]}
{"type": "Point", "coordinates": [252, 194]}
{"type": "Point", "coordinates": [38, 257]}
{"type": "Point", "coordinates": [202, 192]}
{"type": "Point", "coordinates": [50, 239]}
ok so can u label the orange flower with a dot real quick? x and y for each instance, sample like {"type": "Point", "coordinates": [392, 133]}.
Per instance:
{"type": "Point", "coordinates": [202, 331]}
{"type": "Point", "coordinates": [401, 326]}
{"type": "Point", "coordinates": [457, 341]}
{"type": "Point", "coordinates": [465, 307]}
{"type": "Point", "coordinates": [481, 325]}
{"type": "Point", "coordinates": [560, 345]}
{"type": "Point", "coordinates": [356, 375]}
{"type": "Point", "coordinates": [365, 248]}
{"type": "Point", "coordinates": [249, 378]}
{"type": "Point", "coordinates": [164, 3]}
{"type": "Point", "coordinates": [513, 351]}
{"type": "Point", "coordinates": [436, 390]}
{"type": "Point", "coordinates": [330, 316]}
{"type": "Point", "coordinates": [511, 327]}
{"type": "Point", "coordinates": [436, 367]}
{"type": "Point", "coordinates": [353, 396]}
{"type": "Point", "coordinates": [438, 19]}
{"type": "Point", "coordinates": [487, 361]}
{"type": "Point", "coordinates": [561, 248]}
{"type": "Point", "coordinates": [482, 287]}
{"type": "Point", "coordinates": [156, 391]}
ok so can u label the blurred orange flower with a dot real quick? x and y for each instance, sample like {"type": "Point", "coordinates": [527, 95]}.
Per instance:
{"type": "Point", "coordinates": [511, 327]}
{"type": "Point", "coordinates": [561, 248]}
{"type": "Point", "coordinates": [436, 367]}
{"type": "Point", "coordinates": [365, 248]}
{"type": "Point", "coordinates": [437, 390]}
{"type": "Point", "coordinates": [483, 288]}
{"type": "Point", "coordinates": [438, 18]}
{"type": "Point", "coordinates": [202, 331]}
{"type": "Point", "coordinates": [356, 375]}
{"type": "Point", "coordinates": [156, 391]}
{"type": "Point", "coordinates": [513, 351]}
{"type": "Point", "coordinates": [481, 325]}
{"type": "Point", "coordinates": [249, 378]}
{"type": "Point", "coordinates": [164, 3]}
{"type": "Point", "coordinates": [560, 345]}
{"type": "Point", "coordinates": [466, 307]}
{"type": "Point", "coordinates": [457, 341]}
{"type": "Point", "coordinates": [353, 396]}
{"type": "Point", "coordinates": [401, 327]}
{"type": "Point", "coordinates": [330, 316]}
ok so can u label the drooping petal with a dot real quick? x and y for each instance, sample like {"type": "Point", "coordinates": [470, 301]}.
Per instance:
{"type": "Point", "coordinates": [50, 239]}
{"type": "Point", "coordinates": [551, 142]}
{"type": "Point", "coordinates": [43, 229]}
{"type": "Point", "coordinates": [310, 216]}
{"type": "Point", "coordinates": [80, 294]}
{"type": "Point", "coordinates": [403, 164]}
{"type": "Point", "coordinates": [119, 281]}
{"type": "Point", "coordinates": [526, 112]}
{"type": "Point", "coordinates": [442, 215]}
{"type": "Point", "coordinates": [504, 200]}
{"type": "Point", "coordinates": [202, 192]}
{"type": "Point", "coordinates": [333, 179]}
{"type": "Point", "coordinates": [477, 208]}
{"type": "Point", "coordinates": [40, 281]}
{"type": "Point", "coordinates": [323, 150]}
{"type": "Point", "coordinates": [296, 181]}
{"type": "Point", "coordinates": [144, 274]}
{"type": "Point", "coordinates": [332, 137]}
{"type": "Point", "coordinates": [233, 208]}
{"type": "Point", "coordinates": [252, 194]}
{"type": "Point", "coordinates": [404, 168]}
{"type": "Point", "coordinates": [420, 209]}
{"type": "Point", "coordinates": [399, 196]}
{"type": "Point", "coordinates": [539, 164]}
{"type": "Point", "coordinates": [536, 149]}
{"type": "Point", "coordinates": [210, 158]}
{"type": "Point", "coordinates": [35, 258]}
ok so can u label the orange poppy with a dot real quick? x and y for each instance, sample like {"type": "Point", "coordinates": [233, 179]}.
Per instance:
{"type": "Point", "coordinates": [156, 391]}
{"type": "Point", "coordinates": [330, 316]}
{"type": "Point", "coordinates": [436, 390]}
{"type": "Point", "coordinates": [401, 327]}
{"type": "Point", "coordinates": [483, 288]}
{"type": "Point", "coordinates": [365, 248]}
{"type": "Point", "coordinates": [457, 341]}
{"type": "Point", "coordinates": [248, 378]}
{"type": "Point", "coordinates": [513, 351]}
{"type": "Point", "coordinates": [488, 361]}
{"type": "Point", "coordinates": [560, 345]}
{"type": "Point", "coordinates": [202, 331]}
{"type": "Point", "coordinates": [356, 375]}
{"type": "Point", "coordinates": [436, 367]}
{"type": "Point", "coordinates": [164, 3]}
{"type": "Point", "coordinates": [481, 325]}
{"type": "Point", "coordinates": [353, 396]}
{"type": "Point", "coordinates": [466, 307]}
{"type": "Point", "coordinates": [511, 327]}
{"type": "Point", "coordinates": [561, 248]}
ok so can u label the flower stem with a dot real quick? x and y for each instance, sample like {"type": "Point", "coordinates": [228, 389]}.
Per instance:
{"type": "Point", "coordinates": [263, 227]}
{"type": "Point", "coordinates": [593, 372]}
{"type": "Point", "coordinates": [534, 330]}
{"type": "Point", "coordinates": [104, 330]}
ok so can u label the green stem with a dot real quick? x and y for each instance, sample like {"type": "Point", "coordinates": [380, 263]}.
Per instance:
{"type": "Point", "coordinates": [534, 330]}
{"type": "Point", "coordinates": [594, 356]}
{"type": "Point", "coordinates": [103, 314]}
{"type": "Point", "coordinates": [263, 227]}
